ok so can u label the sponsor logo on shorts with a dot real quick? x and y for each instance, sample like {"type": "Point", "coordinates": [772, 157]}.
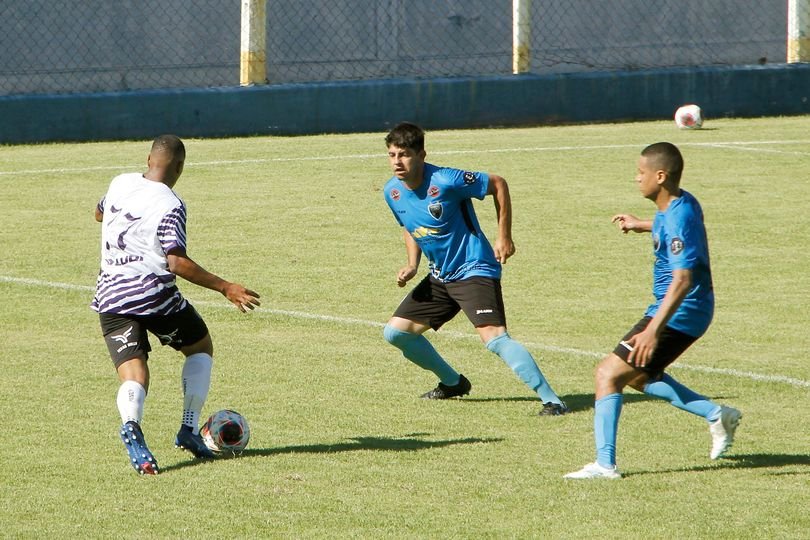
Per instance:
{"type": "Point", "coordinates": [123, 337]}
{"type": "Point", "coordinates": [483, 311]}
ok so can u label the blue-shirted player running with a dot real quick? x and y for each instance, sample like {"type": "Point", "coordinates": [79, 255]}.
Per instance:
{"type": "Point", "coordinates": [433, 205]}
{"type": "Point", "coordinates": [681, 313]}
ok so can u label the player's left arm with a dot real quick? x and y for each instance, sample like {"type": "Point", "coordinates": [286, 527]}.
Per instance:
{"type": "Point", "coordinates": [645, 342]}
{"type": "Point", "coordinates": [504, 246]}
{"type": "Point", "coordinates": [182, 265]}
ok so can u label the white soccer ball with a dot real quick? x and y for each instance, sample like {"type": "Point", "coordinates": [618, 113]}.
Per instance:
{"type": "Point", "coordinates": [226, 432]}
{"type": "Point", "coordinates": [689, 117]}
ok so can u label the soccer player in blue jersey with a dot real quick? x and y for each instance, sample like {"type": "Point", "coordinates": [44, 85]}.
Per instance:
{"type": "Point", "coordinates": [143, 248]}
{"type": "Point", "coordinates": [434, 207]}
{"type": "Point", "coordinates": [681, 313]}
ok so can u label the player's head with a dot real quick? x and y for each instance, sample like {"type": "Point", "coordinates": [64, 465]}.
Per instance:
{"type": "Point", "coordinates": [406, 151]}
{"type": "Point", "coordinates": [406, 135]}
{"type": "Point", "coordinates": [659, 166]}
{"type": "Point", "coordinates": [166, 158]}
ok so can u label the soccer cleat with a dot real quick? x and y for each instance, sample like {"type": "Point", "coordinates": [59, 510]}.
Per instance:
{"type": "Point", "coordinates": [140, 457]}
{"type": "Point", "coordinates": [187, 440]}
{"type": "Point", "coordinates": [723, 429]}
{"type": "Point", "coordinates": [595, 470]}
{"type": "Point", "coordinates": [445, 392]}
{"type": "Point", "coordinates": [554, 409]}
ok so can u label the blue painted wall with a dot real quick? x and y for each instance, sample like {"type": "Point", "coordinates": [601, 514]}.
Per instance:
{"type": "Point", "coordinates": [296, 109]}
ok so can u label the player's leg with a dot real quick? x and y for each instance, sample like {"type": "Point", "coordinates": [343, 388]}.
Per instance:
{"type": "Point", "coordinates": [722, 420]}
{"type": "Point", "coordinates": [427, 302]}
{"type": "Point", "coordinates": [129, 350]}
{"type": "Point", "coordinates": [612, 375]}
{"type": "Point", "coordinates": [481, 299]}
{"type": "Point", "coordinates": [186, 332]}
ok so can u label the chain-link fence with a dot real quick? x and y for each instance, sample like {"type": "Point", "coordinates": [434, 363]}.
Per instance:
{"type": "Point", "coordinates": [64, 46]}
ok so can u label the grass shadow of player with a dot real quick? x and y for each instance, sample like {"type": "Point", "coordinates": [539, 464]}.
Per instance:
{"type": "Point", "coordinates": [742, 461]}
{"type": "Point", "coordinates": [411, 442]}
{"type": "Point", "coordinates": [575, 402]}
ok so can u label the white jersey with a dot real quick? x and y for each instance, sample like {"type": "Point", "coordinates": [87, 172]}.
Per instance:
{"type": "Point", "coordinates": [143, 220]}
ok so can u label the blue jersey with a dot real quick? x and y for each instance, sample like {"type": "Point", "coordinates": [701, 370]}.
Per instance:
{"type": "Point", "coordinates": [679, 242]}
{"type": "Point", "coordinates": [439, 215]}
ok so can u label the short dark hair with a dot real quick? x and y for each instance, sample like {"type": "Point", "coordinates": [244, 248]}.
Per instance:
{"type": "Point", "coordinates": [171, 145]}
{"type": "Point", "coordinates": [667, 157]}
{"type": "Point", "coordinates": [406, 135]}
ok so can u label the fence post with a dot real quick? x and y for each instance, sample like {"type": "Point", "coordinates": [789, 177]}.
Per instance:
{"type": "Point", "coordinates": [253, 56]}
{"type": "Point", "coordinates": [798, 39]}
{"type": "Point", "coordinates": [521, 36]}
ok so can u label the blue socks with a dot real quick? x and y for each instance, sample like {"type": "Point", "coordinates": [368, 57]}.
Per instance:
{"type": "Point", "coordinates": [683, 398]}
{"type": "Point", "coordinates": [520, 360]}
{"type": "Point", "coordinates": [417, 349]}
{"type": "Point", "coordinates": [605, 428]}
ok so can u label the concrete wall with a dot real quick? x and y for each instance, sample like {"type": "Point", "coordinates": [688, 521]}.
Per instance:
{"type": "Point", "coordinates": [436, 103]}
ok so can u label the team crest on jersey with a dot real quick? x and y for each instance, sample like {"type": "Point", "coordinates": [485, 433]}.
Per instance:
{"type": "Point", "coordinates": [656, 242]}
{"type": "Point", "coordinates": [435, 209]}
{"type": "Point", "coordinates": [676, 246]}
{"type": "Point", "coordinates": [433, 191]}
{"type": "Point", "coordinates": [395, 194]}
{"type": "Point", "coordinates": [469, 178]}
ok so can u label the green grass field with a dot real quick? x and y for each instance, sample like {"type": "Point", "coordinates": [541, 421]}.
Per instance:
{"type": "Point", "coordinates": [341, 444]}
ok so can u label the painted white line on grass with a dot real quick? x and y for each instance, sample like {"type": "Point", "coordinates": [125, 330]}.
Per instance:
{"type": "Point", "coordinates": [761, 150]}
{"type": "Point", "coordinates": [736, 145]}
{"type": "Point", "coordinates": [455, 335]}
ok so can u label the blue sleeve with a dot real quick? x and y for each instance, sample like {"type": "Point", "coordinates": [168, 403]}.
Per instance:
{"type": "Point", "coordinates": [466, 184]}
{"type": "Point", "coordinates": [686, 239]}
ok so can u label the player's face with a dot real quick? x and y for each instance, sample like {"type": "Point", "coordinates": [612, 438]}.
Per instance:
{"type": "Point", "coordinates": [406, 163]}
{"type": "Point", "coordinates": [648, 178]}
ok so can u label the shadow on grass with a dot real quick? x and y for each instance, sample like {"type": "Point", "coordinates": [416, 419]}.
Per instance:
{"type": "Point", "coordinates": [575, 402]}
{"type": "Point", "coordinates": [742, 461]}
{"type": "Point", "coordinates": [411, 442]}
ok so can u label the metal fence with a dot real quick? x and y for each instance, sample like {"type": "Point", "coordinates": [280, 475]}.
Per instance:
{"type": "Point", "coordinates": [67, 46]}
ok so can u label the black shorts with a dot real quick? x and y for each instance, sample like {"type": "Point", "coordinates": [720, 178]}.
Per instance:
{"type": "Point", "coordinates": [671, 344]}
{"type": "Point", "coordinates": [126, 336]}
{"type": "Point", "coordinates": [433, 302]}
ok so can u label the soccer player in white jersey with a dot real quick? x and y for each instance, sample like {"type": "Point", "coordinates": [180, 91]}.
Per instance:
{"type": "Point", "coordinates": [680, 315]}
{"type": "Point", "coordinates": [143, 248]}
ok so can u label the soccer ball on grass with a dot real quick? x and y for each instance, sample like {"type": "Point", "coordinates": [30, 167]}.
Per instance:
{"type": "Point", "coordinates": [689, 117]}
{"type": "Point", "coordinates": [226, 432]}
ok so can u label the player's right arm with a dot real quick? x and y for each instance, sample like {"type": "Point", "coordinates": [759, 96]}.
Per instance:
{"type": "Point", "coordinates": [407, 272]}
{"type": "Point", "coordinates": [182, 265]}
{"type": "Point", "coordinates": [629, 222]}
{"type": "Point", "coordinates": [100, 211]}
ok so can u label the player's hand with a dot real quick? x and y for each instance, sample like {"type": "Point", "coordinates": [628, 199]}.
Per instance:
{"type": "Point", "coordinates": [503, 248]}
{"type": "Point", "coordinates": [242, 298]}
{"type": "Point", "coordinates": [627, 222]}
{"type": "Point", "coordinates": [643, 343]}
{"type": "Point", "coordinates": [405, 274]}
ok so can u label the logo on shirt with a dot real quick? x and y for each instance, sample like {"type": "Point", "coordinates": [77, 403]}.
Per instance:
{"type": "Point", "coordinates": [656, 242]}
{"type": "Point", "coordinates": [469, 178]}
{"type": "Point", "coordinates": [421, 232]}
{"type": "Point", "coordinates": [433, 191]}
{"type": "Point", "coordinates": [395, 194]}
{"type": "Point", "coordinates": [435, 209]}
{"type": "Point", "coordinates": [676, 246]}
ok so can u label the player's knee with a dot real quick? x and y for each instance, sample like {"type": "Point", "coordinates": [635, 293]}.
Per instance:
{"type": "Point", "coordinates": [396, 337]}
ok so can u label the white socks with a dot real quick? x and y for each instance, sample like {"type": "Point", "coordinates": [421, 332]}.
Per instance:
{"type": "Point", "coordinates": [196, 381]}
{"type": "Point", "coordinates": [130, 401]}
